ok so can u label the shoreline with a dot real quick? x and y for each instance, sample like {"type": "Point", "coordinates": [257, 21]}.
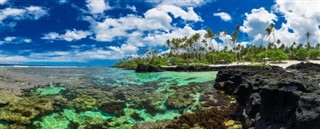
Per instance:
{"type": "Point", "coordinates": [284, 65]}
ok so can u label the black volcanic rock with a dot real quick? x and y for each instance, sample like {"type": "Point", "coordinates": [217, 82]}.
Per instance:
{"type": "Point", "coordinates": [274, 98]}
{"type": "Point", "coordinates": [148, 68]}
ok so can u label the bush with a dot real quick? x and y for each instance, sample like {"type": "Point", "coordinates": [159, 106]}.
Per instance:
{"type": "Point", "coordinates": [227, 57]}
{"type": "Point", "coordinates": [222, 57]}
{"type": "Point", "coordinates": [264, 54]}
{"type": "Point", "coordinates": [302, 54]}
{"type": "Point", "coordinates": [250, 57]}
{"type": "Point", "coordinates": [158, 61]}
{"type": "Point", "coordinates": [278, 55]}
{"type": "Point", "coordinates": [314, 54]}
{"type": "Point", "coordinates": [176, 61]}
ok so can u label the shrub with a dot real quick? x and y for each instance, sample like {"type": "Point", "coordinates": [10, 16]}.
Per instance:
{"type": "Point", "coordinates": [314, 54]}
{"type": "Point", "coordinates": [278, 55]}
{"type": "Point", "coordinates": [302, 54]}
{"type": "Point", "coordinates": [158, 61]}
{"type": "Point", "coordinates": [176, 60]}
{"type": "Point", "coordinates": [222, 57]}
{"type": "Point", "coordinates": [264, 54]}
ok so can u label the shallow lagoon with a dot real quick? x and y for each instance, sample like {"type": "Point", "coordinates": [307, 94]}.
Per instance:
{"type": "Point", "coordinates": [111, 98]}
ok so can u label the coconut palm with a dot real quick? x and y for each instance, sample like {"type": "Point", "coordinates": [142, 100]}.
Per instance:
{"type": "Point", "coordinates": [308, 46]}
{"type": "Point", "coordinates": [234, 37]}
{"type": "Point", "coordinates": [225, 33]}
{"type": "Point", "coordinates": [209, 36]}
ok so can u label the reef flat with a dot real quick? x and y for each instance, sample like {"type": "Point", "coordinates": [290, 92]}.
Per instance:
{"type": "Point", "coordinates": [87, 98]}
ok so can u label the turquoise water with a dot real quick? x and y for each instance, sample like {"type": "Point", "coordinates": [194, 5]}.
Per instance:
{"type": "Point", "coordinates": [116, 77]}
{"type": "Point", "coordinates": [114, 98]}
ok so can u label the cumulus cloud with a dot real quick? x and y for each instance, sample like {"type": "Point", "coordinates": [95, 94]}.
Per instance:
{"type": "Point", "coordinates": [2, 2]}
{"type": "Point", "coordinates": [16, 14]}
{"type": "Point", "coordinates": [256, 22]}
{"type": "Point", "coordinates": [297, 22]}
{"type": "Point", "coordinates": [70, 35]}
{"type": "Point", "coordinates": [157, 18]}
{"type": "Point", "coordinates": [223, 15]}
{"type": "Point", "coordinates": [299, 19]}
{"type": "Point", "coordinates": [97, 6]}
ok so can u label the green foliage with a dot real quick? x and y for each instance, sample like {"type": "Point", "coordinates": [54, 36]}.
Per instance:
{"type": "Point", "coordinates": [278, 55]}
{"type": "Point", "coordinates": [264, 54]}
{"type": "Point", "coordinates": [250, 56]}
{"type": "Point", "coordinates": [221, 57]}
{"type": "Point", "coordinates": [131, 64]}
{"type": "Point", "coordinates": [176, 61]}
{"type": "Point", "coordinates": [157, 61]}
{"type": "Point", "coordinates": [314, 54]}
{"type": "Point", "coordinates": [302, 54]}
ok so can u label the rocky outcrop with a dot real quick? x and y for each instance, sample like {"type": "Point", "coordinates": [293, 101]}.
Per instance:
{"type": "Point", "coordinates": [271, 97]}
{"type": "Point", "coordinates": [148, 68]}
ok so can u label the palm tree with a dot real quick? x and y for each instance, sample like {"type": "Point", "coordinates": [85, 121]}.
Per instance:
{"type": "Point", "coordinates": [195, 38]}
{"type": "Point", "coordinates": [308, 46]}
{"type": "Point", "coordinates": [278, 43]}
{"type": "Point", "coordinates": [225, 33]}
{"type": "Point", "coordinates": [269, 30]}
{"type": "Point", "coordinates": [234, 36]}
{"type": "Point", "coordinates": [318, 46]}
{"type": "Point", "coordinates": [209, 35]}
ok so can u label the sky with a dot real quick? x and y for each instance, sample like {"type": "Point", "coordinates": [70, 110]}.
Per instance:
{"type": "Point", "coordinates": [101, 32]}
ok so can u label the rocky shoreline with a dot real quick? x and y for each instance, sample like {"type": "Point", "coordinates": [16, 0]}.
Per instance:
{"type": "Point", "coordinates": [273, 97]}
{"type": "Point", "coordinates": [150, 68]}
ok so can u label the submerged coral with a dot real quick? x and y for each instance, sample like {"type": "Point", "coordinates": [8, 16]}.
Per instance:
{"type": "Point", "coordinates": [114, 108]}
{"type": "Point", "coordinates": [85, 102]}
{"type": "Point", "coordinates": [26, 109]}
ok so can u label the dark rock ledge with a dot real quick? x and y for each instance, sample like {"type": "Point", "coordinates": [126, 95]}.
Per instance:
{"type": "Point", "coordinates": [150, 68]}
{"type": "Point", "coordinates": [272, 97]}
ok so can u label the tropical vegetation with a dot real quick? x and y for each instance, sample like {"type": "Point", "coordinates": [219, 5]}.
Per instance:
{"type": "Point", "coordinates": [198, 49]}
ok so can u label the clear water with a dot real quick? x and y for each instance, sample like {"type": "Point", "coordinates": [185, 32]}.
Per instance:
{"type": "Point", "coordinates": [133, 90]}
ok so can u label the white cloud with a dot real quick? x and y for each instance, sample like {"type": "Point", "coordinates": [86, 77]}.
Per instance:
{"type": "Point", "coordinates": [97, 6]}
{"type": "Point", "coordinates": [224, 16]}
{"type": "Point", "coordinates": [256, 22]}
{"type": "Point", "coordinates": [296, 16]}
{"type": "Point", "coordinates": [2, 2]}
{"type": "Point", "coordinates": [157, 18]}
{"type": "Point", "coordinates": [9, 39]}
{"type": "Point", "coordinates": [15, 40]}
{"type": "Point", "coordinates": [181, 3]}
{"type": "Point", "coordinates": [132, 8]}
{"type": "Point", "coordinates": [16, 14]}
{"type": "Point", "coordinates": [301, 17]}
{"type": "Point", "coordinates": [189, 15]}
{"type": "Point", "coordinates": [69, 36]}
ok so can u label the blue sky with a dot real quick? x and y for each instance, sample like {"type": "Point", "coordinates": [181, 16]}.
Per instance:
{"type": "Point", "coordinates": [100, 32]}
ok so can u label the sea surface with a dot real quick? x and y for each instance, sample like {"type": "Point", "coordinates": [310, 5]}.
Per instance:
{"type": "Point", "coordinates": [103, 96]}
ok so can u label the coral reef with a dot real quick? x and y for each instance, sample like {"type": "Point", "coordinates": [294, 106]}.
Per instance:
{"type": "Point", "coordinates": [84, 102]}
{"type": "Point", "coordinates": [22, 112]}
{"type": "Point", "coordinates": [114, 108]}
